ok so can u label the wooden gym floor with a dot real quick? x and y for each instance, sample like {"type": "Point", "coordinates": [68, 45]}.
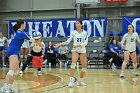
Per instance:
{"type": "Point", "coordinates": [55, 81]}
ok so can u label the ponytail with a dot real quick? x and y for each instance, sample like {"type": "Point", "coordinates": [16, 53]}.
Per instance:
{"type": "Point", "coordinates": [18, 24]}
{"type": "Point", "coordinates": [15, 27]}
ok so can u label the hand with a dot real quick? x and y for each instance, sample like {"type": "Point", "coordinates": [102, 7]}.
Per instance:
{"type": "Point", "coordinates": [76, 46]}
{"type": "Point", "coordinates": [56, 45]}
{"type": "Point", "coordinates": [123, 46]}
{"type": "Point", "coordinates": [29, 55]}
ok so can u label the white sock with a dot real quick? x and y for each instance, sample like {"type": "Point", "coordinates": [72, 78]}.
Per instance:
{"type": "Point", "coordinates": [123, 66]}
{"type": "Point", "coordinates": [110, 60]}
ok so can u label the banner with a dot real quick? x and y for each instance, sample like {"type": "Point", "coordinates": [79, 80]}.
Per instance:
{"type": "Point", "coordinates": [63, 27]}
{"type": "Point", "coordinates": [135, 21]}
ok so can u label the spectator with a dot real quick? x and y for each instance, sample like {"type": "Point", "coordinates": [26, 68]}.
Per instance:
{"type": "Point", "coordinates": [3, 44]}
{"type": "Point", "coordinates": [114, 54]}
{"type": "Point", "coordinates": [50, 53]}
{"type": "Point", "coordinates": [62, 52]}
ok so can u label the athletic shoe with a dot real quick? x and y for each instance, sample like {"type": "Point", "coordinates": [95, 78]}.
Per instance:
{"type": "Point", "coordinates": [20, 72]}
{"type": "Point", "coordinates": [39, 73]}
{"type": "Point", "coordinates": [114, 67]}
{"type": "Point", "coordinates": [71, 83]}
{"type": "Point", "coordinates": [4, 90]}
{"type": "Point", "coordinates": [122, 75]}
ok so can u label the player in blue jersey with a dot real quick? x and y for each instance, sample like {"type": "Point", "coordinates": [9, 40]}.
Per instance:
{"type": "Point", "coordinates": [12, 52]}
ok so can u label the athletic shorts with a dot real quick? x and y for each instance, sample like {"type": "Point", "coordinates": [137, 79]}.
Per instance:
{"type": "Point", "coordinates": [2, 48]}
{"type": "Point", "coordinates": [79, 50]}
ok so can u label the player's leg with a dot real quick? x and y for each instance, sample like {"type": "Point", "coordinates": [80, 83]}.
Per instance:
{"type": "Point", "coordinates": [13, 68]}
{"type": "Point", "coordinates": [134, 60]}
{"type": "Point", "coordinates": [126, 59]}
{"type": "Point", "coordinates": [72, 69]}
{"type": "Point", "coordinates": [83, 60]}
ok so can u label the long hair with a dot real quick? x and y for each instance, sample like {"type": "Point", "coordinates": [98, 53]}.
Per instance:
{"type": "Point", "coordinates": [113, 40]}
{"type": "Point", "coordinates": [133, 28]}
{"type": "Point", "coordinates": [49, 45]}
{"type": "Point", "coordinates": [18, 25]}
{"type": "Point", "coordinates": [80, 21]}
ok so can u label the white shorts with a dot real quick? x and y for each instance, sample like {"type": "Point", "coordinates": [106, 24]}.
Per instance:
{"type": "Point", "coordinates": [79, 50]}
{"type": "Point", "coordinates": [25, 44]}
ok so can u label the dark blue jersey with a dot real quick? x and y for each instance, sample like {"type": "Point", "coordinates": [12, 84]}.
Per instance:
{"type": "Point", "coordinates": [16, 43]}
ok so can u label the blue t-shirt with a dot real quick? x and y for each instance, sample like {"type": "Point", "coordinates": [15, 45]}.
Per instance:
{"type": "Point", "coordinates": [53, 50]}
{"type": "Point", "coordinates": [16, 43]}
{"type": "Point", "coordinates": [116, 48]}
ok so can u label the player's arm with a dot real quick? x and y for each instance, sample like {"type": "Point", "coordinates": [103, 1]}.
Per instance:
{"type": "Point", "coordinates": [137, 38]}
{"type": "Point", "coordinates": [69, 40]}
{"type": "Point", "coordinates": [66, 42]}
{"type": "Point", "coordinates": [24, 35]}
{"type": "Point", "coordinates": [123, 41]}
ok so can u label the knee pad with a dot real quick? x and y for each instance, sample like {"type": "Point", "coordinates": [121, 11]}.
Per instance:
{"type": "Point", "coordinates": [84, 69]}
{"type": "Point", "coordinates": [73, 65]}
{"type": "Point", "coordinates": [21, 56]}
{"type": "Point", "coordinates": [11, 73]}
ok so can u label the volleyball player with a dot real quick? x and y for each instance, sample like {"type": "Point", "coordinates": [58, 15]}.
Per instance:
{"type": "Point", "coordinates": [3, 41]}
{"type": "Point", "coordinates": [35, 49]}
{"type": "Point", "coordinates": [12, 52]}
{"type": "Point", "coordinates": [128, 43]}
{"type": "Point", "coordinates": [80, 38]}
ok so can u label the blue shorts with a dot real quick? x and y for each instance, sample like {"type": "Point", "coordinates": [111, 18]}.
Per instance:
{"type": "Point", "coordinates": [2, 48]}
{"type": "Point", "coordinates": [10, 51]}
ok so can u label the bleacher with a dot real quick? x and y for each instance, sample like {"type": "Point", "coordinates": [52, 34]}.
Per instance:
{"type": "Point", "coordinates": [90, 47]}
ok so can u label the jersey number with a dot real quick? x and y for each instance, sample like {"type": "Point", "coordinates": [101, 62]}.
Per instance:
{"type": "Point", "coordinates": [79, 39]}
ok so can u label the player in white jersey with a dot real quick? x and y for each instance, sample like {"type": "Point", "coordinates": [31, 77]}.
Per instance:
{"type": "Point", "coordinates": [128, 43]}
{"type": "Point", "coordinates": [3, 41]}
{"type": "Point", "coordinates": [35, 49]}
{"type": "Point", "coordinates": [80, 38]}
